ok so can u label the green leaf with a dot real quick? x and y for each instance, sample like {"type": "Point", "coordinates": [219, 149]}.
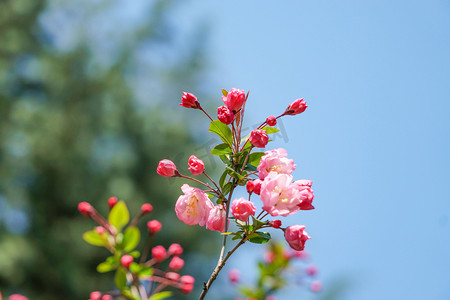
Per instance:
{"type": "Point", "coordinates": [222, 178]}
{"type": "Point", "coordinates": [227, 188]}
{"type": "Point", "coordinates": [224, 92]}
{"type": "Point", "coordinates": [93, 238]}
{"type": "Point", "coordinates": [119, 215]}
{"type": "Point", "coordinates": [255, 158]}
{"type": "Point", "coordinates": [131, 238]}
{"type": "Point", "coordinates": [249, 167]}
{"type": "Point", "coordinates": [127, 293]}
{"type": "Point", "coordinates": [161, 295]}
{"type": "Point", "coordinates": [222, 130]}
{"type": "Point", "coordinates": [106, 267]}
{"type": "Point", "coordinates": [135, 268]}
{"type": "Point", "coordinates": [225, 159]}
{"type": "Point", "coordinates": [261, 238]}
{"type": "Point", "coordinates": [135, 254]}
{"type": "Point", "coordinates": [146, 271]}
{"type": "Point", "coordinates": [120, 279]}
{"type": "Point", "coordinates": [270, 130]}
{"type": "Point", "coordinates": [234, 173]}
{"type": "Point", "coordinates": [221, 149]}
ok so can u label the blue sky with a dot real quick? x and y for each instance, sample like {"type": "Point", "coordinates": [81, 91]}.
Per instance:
{"type": "Point", "coordinates": [376, 136]}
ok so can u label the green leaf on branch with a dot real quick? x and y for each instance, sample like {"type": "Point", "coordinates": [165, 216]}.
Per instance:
{"type": "Point", "coordinates": [93, 238]}
{"type": "Point", "coordinates": [270, 130]}
{"type": "Point", "coordinates": [259, 237]}
{"type": "Point", "coordinates": [225, 92]}
{"type": "Point", "coordinates": [222, 178]}
{"type": "Point", "coordinates": [146, 271]}
{"type": "Point", "coordinates": [135, 254]}
{"type": "Point", "coordinates": [222, 130]}
{"type": "Point", "coordinates": [120, 279]}
{"type": "Point", "coordinates": [226, 159]}
{"type": "Point", "coordinates": [119, 215]}
{"type": "Point", "coordinates": [128, 294]}
{"type": "Point", "coordinates": [161, 295]}
{"type": "Point", "coordinates": [234, 173]}
{"type": "Point", "coordinates": [255, 158]}
{"type": "Point", "coordinates": [106, 267]}
{"type": "Point", "coordinates": [131, 238]}
{"type": "Point", "coordinates": [135, 267]}
{"type": "Point", "coordinates": [221, 149]}
{"type": "Point", "coordinates": [249, 167]}
{"type": "Point", "coordinates": [227, 188]}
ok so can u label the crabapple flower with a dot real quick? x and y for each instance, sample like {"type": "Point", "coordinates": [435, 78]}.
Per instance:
{"type": "Point", "coordinates": [296, 237]}
{"type": "Point", "coordinates": [259, 138]}
{"type": "Point", "coordinates": [112, 201]}
{"type": "Point", "coordinates": [154, 226]}
{"type": "Point", "coordinates": [146, 208]}
{"type": "Point", "coordinates": [271, 121]}
{"type": "Point", "coordinates": [235, 99]}
{"type": "Point", "coordinates": [306, 194]}
{"type": "Point", "coordinates": [296, 107]}
{"type": "Point", "coordinates": [99, 229]}
{"type": "Point", "coordinates": [85, 208]}
{"type": "Point", "coordinates": [176, 263]}
{"type": "Point", "coordinates": [311, 270]}
{"type": "Point", "coordinates": [275, 161]}
{"type": "Point", "coordinates": [194, 206]}
{"type": "Point", "coordinates": [316, 286]}
{"type": "Point", "coordinates": [189, 100]}
{"type": "Point", "coordinates": [242, 209]}
{"type": "Point", "coordinates": [166, 168]}
{"type": "Point", "coordinates": [225, 115]}
{"type": "Point", "coordinates": [216, 219]}
{"type": "Point", "coordinates": [126, 260]}
{"type": "Point", "coordinates": [279, 195]}
{"type": "Point", "coordinates": [257, 186]}
{"type": "Point", "coordinates": [172, 276]}
{"type": "Point", "coordinates": [275, 223]}
{"type": "Point", "coordinates": [196, 166]}
{"type": "Point", "coordinates": [175, 249]}
{"type": "Point", "coordinates": [159, 253]}
{"type": "Point", "coordinates": [17, 297]}
{"type": "Point", "coordinates": [107, 297]}
{"type": "Point", "coordinates": [250, 186]}
{"type": "Point", "coordinates": [95, 296]}
{"type": "Point", "coordinates": [234, 275]}
{"type": "Point", "coordinates": [187, 284]}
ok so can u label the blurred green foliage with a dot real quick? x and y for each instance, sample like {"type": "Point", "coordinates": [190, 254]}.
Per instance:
{"type": "Point", "coordinates": [81, 119]}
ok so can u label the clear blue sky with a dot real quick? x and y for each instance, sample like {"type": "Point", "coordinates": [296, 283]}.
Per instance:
{"type": "Point", "coordinates": [376, 136]}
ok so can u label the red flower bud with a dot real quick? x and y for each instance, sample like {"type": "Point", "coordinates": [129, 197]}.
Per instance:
{"type": "Point", "coordinates": [250, 186]}
{"type": "Point", "coordinates": [100, 229]}
{"type": "Point", "coordinates": [159, 253]}
{"type": "Point", "coordinates": [196, 165]}
{"type": "Point", "coordinates": [107, 297]}
{"type": "Point", "coordinates": [172, 276]}
{"type": "Point", "coordinates": [235, 99]}
{"type": "Point", "coordinates": [275, 223]}
{"type": "Point", "coordinates": [166, 168]}
{"type": "Point", "coordinates": [296, 107]}
{"type": "Point", "coordinates": [176, 263]}
{"type": "Point", "coordinates": [112, 201]}
{"type": "Point", "coordinates": [257, 186]}
{"type": "Point", "coordinates": [225, 115]}
{"type": "Point", "coordinates": [85, 208]}
{"type": "Point", "coordinates": [146, 208]}
{"type": "Point", "coordinates": [175, 249]}
{"type": "Point", "coordinates": [154, 226]}
{"type": "Point", "coordinates": [259, 138]}
{"type": "Point", "coordinates": [271, 121]}
{"type": "Point", "coordinates": [189, 100]}
{"type": "Point", "coordinates": [187, 284]}
{"type": "Point", "coordinates": [126, 260]}
{"type": "Point", "coordinates": [95, 296]}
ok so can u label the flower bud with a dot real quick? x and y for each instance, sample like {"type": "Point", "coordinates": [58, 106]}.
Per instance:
{"type": "Point", "coordinates": [271, 121]}
{"type": "Point", "coordinates": [172, 276]}
{"type": "Point", "coordinates": [235, 99]}
{"type": "Point", "coordinates": [126, 260]}
{"type": "Point", "coordinates": [176, 263]}
{"type": "Point", "coordinates": [166, 168]}
{"type": "Point", "coordinates": [234, 275]}
{"type": "Point", "coordinates": [296, 237]}
{"type": "Point", "coordinates": [175, 249]}
{"type": "Point", "coordinates": [311, 270]}
{"type": "Point", "coordinates": [85, 208]}
{"type": "Point", "coordinates": [154, 226]}
{"type": "Point", "coordinates": [316, 286]}
{"type": "Point", "coordinates": [189, 100]}
{"type": "Point", "coordinates": [242, 209]}
{"type": "Point", "coordinates": [296, 107]}
{"type": "Point", "coordinates": [259, 138]}
{"type": "Point", "coordinates": [275, 223]}
{"type": "Point", "coordinates": [17, 297]}
{"type": "Point", "coordinates": [146, 208]}
{"type": "Point", "coordinates": [112, 201]}
{"type": "Point", "coordinates": [107, 297]}
{"type": "Point", "coordinates": [159, 253]}
{"type": "Point", "coordinates": [95, 296]}
{"type": "Point", "coordinates": [100, 229]}
{"type": "Point", "coordinates": [225, 115]}
{"type": "Point", "coordinates": [257, 186]}
{"type": "Point", "coordinates": [187, 284]}
{"type": "Point", "coordinates": [216, 218]}
{"type": "Point", "coordinates": [196, 166]}
{"type": "Point", "coordinates": [250, 186]}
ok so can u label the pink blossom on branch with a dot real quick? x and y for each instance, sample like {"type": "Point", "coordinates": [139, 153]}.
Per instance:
{"type": "Point", "coordinates": [296, 107]}
{"type": "Point", "coordinates": [176, 263]}
{"type": "Point", "coordinates": [271, 121]}
{"type": "Point", "coordinates": [235, 99]}
{"type": "Point", "coordinates": [306, 194]}
{"type": "Point", "coordinates": [159, 253]}
{"type": "Point", "coordinates": [154, 226]}
{"type": "Point", "coordinates": [242, 209]}
{"type": "Point", "coordinates": [166, 168]}
{"type": "Point", "coordinates": [216, 218]}
{"type": "Point", "coordinates": [279, 195]}
{"type": "Point", "coordinates": [194, 206]}
{"type": "Point", "coordinates": [175, 249]}
{"type": "Point", "coordinates": [275, 161]}
{"type": "Point", "coordinates": [196, 165]}
{"type": "Point", "coordinates": [126, 260]}
{"type": "Point", "coordinates": [189, 100]}
{"type": "Point", "coordinates": [225, 115]}
{"type": "Point", "coordinates": [259, 138]}
{"type": "Point", "coordinates": [296, 237]}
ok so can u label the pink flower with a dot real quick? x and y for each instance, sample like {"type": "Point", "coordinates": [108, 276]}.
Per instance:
{"type": "Point", "coordinates": [175, 249]}
{"type": "Point", "coordinates": [311, 270]}
{"type": "Point", "coordinates": [176, 263]}
{"type": "Point", "coordinates": [306, 194]}
{"type": "Point", "coordinates": [242, 209]}
{"type": "Point", "coordinates": [126, 260]}
{"type": "Point", "coordinates": [166, 168]}
{"type": "Point", "coordinates": [187, 284]}
{"type": "Point", "coordinates": [257, 186]}
{"type": "Point", "coordinates": [17, 297]}
{"type": "Point", "coordinates": [316, 286]}
{"type": "Point", "coordinates": [225, 115]}
{"type": "Point", "coordinates": [275, 161]}
{"type": "Point", "coordinates": [107, 297]}
{"type": "Point", "coordinates": [271, 121]}
{"type": "Point", "coordinates": [269, 257]}
{"type": "Point", "coordinates": [234, 275]}
{"type": "Point", "coordinates": [196, 166]}
{"type": "Point", "coordinates": [296, 107]}
{"type": "Point", "coordinates": [85, 208]}
{"type": "Point", "coordinates": [250, 186]}
{"type": "Point", "coordinates": [112, 201]}
{"type": "Point", "coordinates": [99, 229]}
{"type": "Point", "coordinates": [154, 226]}
{"type": "Point", "coordinates": [216, 219]}
{"type": "Point", "coordinates": [296, 237]}
{"type": "Point", "coordinates": [159, 253]}
{"type": "Point", "coordinates": [259, 138]}
{"type": "Point", "coordinates": [235, 99]}
{"type": "Point", "coordinates": [194, 206]}
{"type": "Point", "coordinates": [172, 276]}
{"type": "Point", "coordinates": [189, 100]}
{"type": "Point", "coordinates": [279, 195]}
{"type": "Point", "coordinates": [275, 224]}
{"type": "Point", "coordinates": [146, 208]}
{"type": "Point", "coordinates": [94, 296]}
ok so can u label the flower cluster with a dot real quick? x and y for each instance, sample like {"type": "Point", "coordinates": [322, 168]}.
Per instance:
{"type": "Point", "coordinates": [15, 297]}
{"type": "Point", "coordinates": [133, 270]}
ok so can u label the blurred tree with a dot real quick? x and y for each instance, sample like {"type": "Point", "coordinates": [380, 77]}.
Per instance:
{"type": "Point", "coordinates": [78, 122]}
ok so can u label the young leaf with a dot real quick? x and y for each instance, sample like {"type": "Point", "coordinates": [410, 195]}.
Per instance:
{"type": "Point", "coordinates": [120, 279]}
{"type": "Point", "coordinates": [222, 178]}
{"type": "Point", "coordinates": [119, 215]}
{"type": "Point", "coordinates": [225, 92]}
{"type": "Point", "coordinates": [222, 130]}
{"type": "Point", "coordinates": [161, 295]}
{"type": "Point", "coordinates": [106, 267]}
{"type": "Point", "coordinates": [270, 130]}
{"type": "Point", "coordinates": [221, 149]}
{"type": "Point", "coordinates": [255, 158]}
{"type": "Point", "coordinates": [263, 237]}
{"type": "Point", "coordinates": [227, 188]}
{"type": "Point", "coordinates": [225, 159]}
{"type": "Point", "coordinates": [234, 173]}
{"type": "Point", "coordinates": [131, 238]}
{"type": "Point", "coordinates": [93, 238]}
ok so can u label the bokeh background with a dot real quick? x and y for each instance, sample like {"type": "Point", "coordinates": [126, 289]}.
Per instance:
{"type": "Point", "coordinates": [89, 94]}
